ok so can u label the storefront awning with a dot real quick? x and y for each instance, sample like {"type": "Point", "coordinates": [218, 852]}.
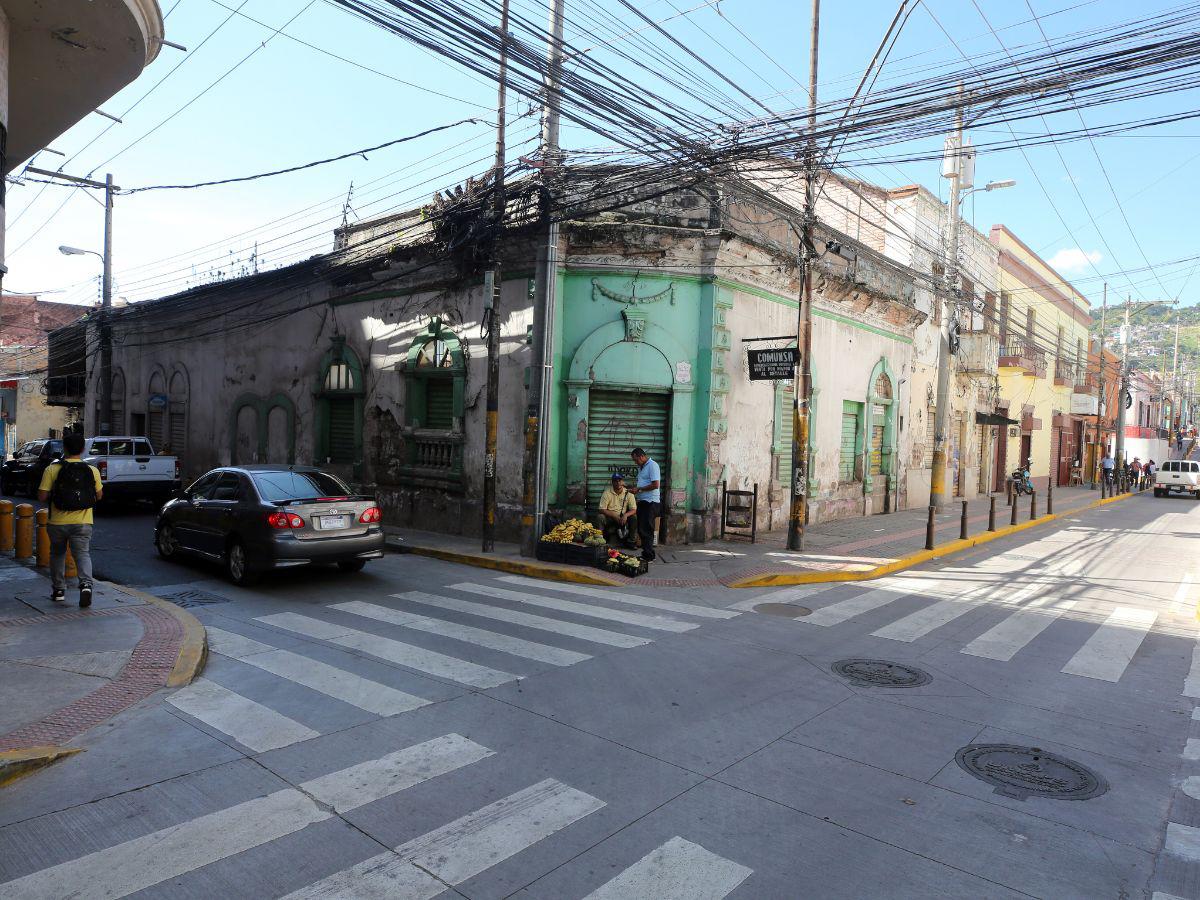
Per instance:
{"type": "Point", "coordinates": [982, 418]}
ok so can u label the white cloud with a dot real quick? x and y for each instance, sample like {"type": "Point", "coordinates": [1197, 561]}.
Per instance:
{"type": "Point", "coordinates": [1073, 259]}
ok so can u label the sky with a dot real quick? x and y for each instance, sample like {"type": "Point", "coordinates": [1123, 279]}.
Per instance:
{"type": "Point", "coordinates": [244, 99]}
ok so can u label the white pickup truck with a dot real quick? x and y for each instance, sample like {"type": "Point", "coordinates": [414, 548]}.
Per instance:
{"type": "Point", "coordinates": [131, 470]}
{"type": "Point", "coordinates": [1178, 475]}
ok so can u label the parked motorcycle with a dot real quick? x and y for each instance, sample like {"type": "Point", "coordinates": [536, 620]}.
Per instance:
{"type": "Point", "coordinates": [1022, 484]}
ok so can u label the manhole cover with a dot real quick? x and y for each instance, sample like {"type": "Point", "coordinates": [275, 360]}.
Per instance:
{"type": "Point", "coordinates": [787, 610]}
{"type": "Point", "coordinates": [1021, 772]}
{"type": "Point", "coordinates": [192, 597]}
{"type": "Point", "coordinates": [880, 673]}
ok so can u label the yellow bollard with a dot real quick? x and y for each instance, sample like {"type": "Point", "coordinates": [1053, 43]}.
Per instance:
{"type": "Point", "coordinates": [6, 526]}
{"type": "Point", "coordinates": [42, 550]}
{"type": "Point", "coordinates": [23, 541]}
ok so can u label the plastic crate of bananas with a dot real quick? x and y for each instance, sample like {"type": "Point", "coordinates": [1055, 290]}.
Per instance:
{"type": "Point", "coordinates": [575, 531]}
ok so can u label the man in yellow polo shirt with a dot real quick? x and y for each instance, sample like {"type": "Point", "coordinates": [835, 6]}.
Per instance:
{"type": "Point", "coordinates": [72, 488]}
{"type": "Point", "coordinates": [618, 512]}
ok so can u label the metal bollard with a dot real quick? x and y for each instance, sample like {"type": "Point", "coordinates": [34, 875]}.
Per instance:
{"type": "Point", "coordinates": [23, 532]}
{"type": "Point", "coordinates": [992, 513]}
{"type": "Point", "coordinates": [1050, 497]}
{"type": "Point", "coordinates": [42, 543]}
{"type": "Point", "coordinates": [1033, 506]}
{"type": "Point", "coordinates": [6, 526]}
{"type": "Point", "coordinates": [929, 530]}
{"type": "Point", "coordinates": [962, 527]}
{"type": "Point", "coordinates": [1008, 484]}
{"type": "Point", "coordinates": [1013, 518]}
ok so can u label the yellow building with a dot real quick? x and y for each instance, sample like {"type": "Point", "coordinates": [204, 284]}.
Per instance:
{"type": "Point", "coordinates": [1043, 371]}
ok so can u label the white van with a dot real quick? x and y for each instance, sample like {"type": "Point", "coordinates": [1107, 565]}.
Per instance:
{"type": "Point", "coordinates": [1182, 475]}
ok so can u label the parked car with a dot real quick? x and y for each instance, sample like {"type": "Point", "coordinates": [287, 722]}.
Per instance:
{"type": "Point", "coordinates": [253, 519]}
{"type": "Point", "coordinates": [23, 473]}
{"type": "Point", "coordinates": [131, 470]}
{"type": "Point", "coordinates": [1177, 476]}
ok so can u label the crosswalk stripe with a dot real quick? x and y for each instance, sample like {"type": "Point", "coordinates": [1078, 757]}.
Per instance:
{"type": "Point", "coordinates": [462, 849]}
{"type": "Point", "coordinates": [555, 656]}
{"type": "Point", "coordinates": [1112, 646]}
{"type": "Point", "coordinates": [661, 623]}
{"type": "Point", "coordinates": [407, 655]}
{"type": "Point", "coordinates": [513, 617]}
{"type": "Point", "coordinates": [1191, 750]}
{"type": "Point", "coordinates": [689, 609]}
{"type": "Point", "coordinates": [250, 724]}
{"type": "Point", "coordinates": [678, 870]}
{"type": "Point", "coordinates": [836, 613]}
{"type": "Point", "coordinates": [780, 595]}
{"type": "Point", "coordinates": [1004, 640]}
{"type": "Point", "coordinates": [375, 779]}
{"type": "Point", "coordinates": [170, 852]}
{"type": "Point", "coordinates": [1191, 684]}
{"type": "Point", "coordinates": [923, 621]}
{"type": "Point", "coordinates": [337, 683]}
{"type": "Point", "coordinates": [1183, 840]}
{"type": "Point", "coordinates": [235, 646]}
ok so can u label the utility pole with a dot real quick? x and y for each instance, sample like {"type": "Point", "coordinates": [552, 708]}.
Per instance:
{"type": "Point", "coordinates": [1100, 398]}
{"type": "Point", "coordinates": [1174, 378]}
{"type": "Point", "coordinates": [1123, 388]}
{"type": "Point", "coordinates": [491, 309]}
{"type": "Point", "coordinates": [545, 282]}
{"type": "Point", "coordinates": [937, 487]}
{"type": "Point", "coordinates": [802, 395]}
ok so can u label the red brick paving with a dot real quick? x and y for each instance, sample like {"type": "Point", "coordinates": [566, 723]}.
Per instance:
{"type": "Point", "coordinates": [149, 665]}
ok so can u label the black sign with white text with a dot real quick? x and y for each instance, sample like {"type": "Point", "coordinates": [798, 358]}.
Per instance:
{"type": "Point", "coordinates": [772, 365]}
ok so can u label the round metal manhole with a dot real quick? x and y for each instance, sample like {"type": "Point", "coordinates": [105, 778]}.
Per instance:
{"type": "Point", "coordinates": [787, 610]}
{"type": "Point", "coordinates": [880, 673]}
{"type": "Point", "coordinates": [1021, 772]}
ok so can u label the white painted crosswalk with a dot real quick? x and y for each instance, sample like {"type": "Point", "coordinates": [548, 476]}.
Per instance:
{"type": "Point", "coordinates": [678, 870]}
{"type": "Point", "coordinates": [612, 596]}
{"type": "Point", "coordinates": [1003, 641]}
{"type": "Point", "coordinates": [661, 623]}
{"type": "Point", "coordinates": [1111, 648]}
{"type": "Point", "coordinates": [250, 724]}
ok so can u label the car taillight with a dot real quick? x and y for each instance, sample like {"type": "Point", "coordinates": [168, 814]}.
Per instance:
{"type": "Point", "coordinates": [176, 470]}
{"type": "Point", "coordinates": [103, 467]}
{"type": "Point", "coordinates": [370, 516]}
{"type": "Point", "coordinates": [285, 520]}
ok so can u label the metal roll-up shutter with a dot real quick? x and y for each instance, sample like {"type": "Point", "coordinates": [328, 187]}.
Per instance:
{"type": "Point", "coordinates": [849, 436]}
{"type": "Point", "coordinates": [786, 420]}
{"type": "Point", "coordinates": [618, 421]}
{"type": "Point", "coordinates": [178, 430]}
{"type": "Point", "coordinates": [439, 404]}
{"type": "Point", "coordinates": [930, 438]}
{"type": "Point", "coordinates": [341, 429]}
{"type": "Point", "coordinates": [154, 428]}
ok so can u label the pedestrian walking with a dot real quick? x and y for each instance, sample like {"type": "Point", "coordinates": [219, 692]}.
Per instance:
{"type": "Point", "coordinates": [648, 491]}
{"type": "Point", "coordinates": [73, 488]}
{"type": "Point", "coordinates": [1107, 464]}
{"type": "Point", "coordinates": [1149, 471]}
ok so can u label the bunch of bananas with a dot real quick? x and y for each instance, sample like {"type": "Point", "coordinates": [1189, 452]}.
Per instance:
{"type": "Point", "coordinates": [574, 531]}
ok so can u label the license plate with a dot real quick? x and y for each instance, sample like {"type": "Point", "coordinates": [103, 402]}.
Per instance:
{"type": "Point", "coordinates": [332, 522]}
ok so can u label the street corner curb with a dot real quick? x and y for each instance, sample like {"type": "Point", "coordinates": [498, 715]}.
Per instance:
{"type": "Point", "coordinates": [787, 579]}
{"type": "Point", "coordinates": [16, 764]}
{"type": "Point", "coordinates": [193, 652]}
{"type": "Point", "coordinates": [528, 569]}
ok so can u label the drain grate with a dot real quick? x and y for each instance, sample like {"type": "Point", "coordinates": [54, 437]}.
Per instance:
{"type": "Point", "coordinates": [880, 673]}
{"type": "Point", "coordinates": [192, 597]}
{"type": "Point", "coordinates": [786, 610]}
{"type": "Point", "coordinates": [1021, 772]}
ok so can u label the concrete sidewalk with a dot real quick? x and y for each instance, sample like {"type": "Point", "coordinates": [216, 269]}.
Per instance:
{"type": "Point", "coordinates": [841, 550]}
{"type": "Point", "coordinates": [64, 670]}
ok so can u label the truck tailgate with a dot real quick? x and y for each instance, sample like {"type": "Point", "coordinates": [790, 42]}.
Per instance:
{"type": "Point", "coordinates": [141, 468]}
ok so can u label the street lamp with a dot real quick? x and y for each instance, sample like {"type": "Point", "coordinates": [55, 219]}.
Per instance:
{"type": "Point", "coordinates": [75, 251]}
{"type": "Point", "coordinates": [990, 186]}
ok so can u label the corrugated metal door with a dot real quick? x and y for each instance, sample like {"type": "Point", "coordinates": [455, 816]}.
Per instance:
{"type": "Point", "coordinates": [154, 430]}
{"type": "Point", "coordinates": [849, 436]}
{"type": "Point", "coordinates": [786, 416]}
{"type": "Point", "coordinates": [341, 429]}
{"type": "Point", "coordinates": [618, 421]}
{"type": "Point", "coordinates": [178, 429]}
{"type": "Point", "coordinates": [930, 438]}
{"type": "Point", "coordinates": [439, 404]}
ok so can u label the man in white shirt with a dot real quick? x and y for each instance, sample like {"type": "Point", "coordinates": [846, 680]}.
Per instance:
{"type": "Point", "coordinates": [649, 495]}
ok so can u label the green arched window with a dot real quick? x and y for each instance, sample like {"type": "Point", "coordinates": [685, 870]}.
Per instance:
{"type": "Point", "coordinates": [339, 407]}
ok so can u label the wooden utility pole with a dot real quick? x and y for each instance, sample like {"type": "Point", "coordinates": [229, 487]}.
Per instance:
{"type": "Point", "coordinates": [491, 308]}
{"type": "Point", "coordinates": [802, 395]}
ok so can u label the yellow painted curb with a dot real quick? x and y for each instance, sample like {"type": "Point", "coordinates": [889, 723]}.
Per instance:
{"type": "Point", "coordinates": [783, 579]}
{"type": "Point", "coordinates": [194, 651]}
{"type": "Point", "coordinates": [16, 764]}
{"type": "Point", "coordinates": [529, 569]}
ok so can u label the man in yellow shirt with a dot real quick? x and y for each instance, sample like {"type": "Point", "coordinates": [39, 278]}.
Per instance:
{"type": "Point", "coordinates": [72, 488]}
{"type": "Point", "coordinates": [618, 512]}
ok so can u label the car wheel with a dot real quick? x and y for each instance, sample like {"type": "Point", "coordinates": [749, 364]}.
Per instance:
{"type": "Point", "coordinates": [352, 565]}
{"type": "Point", "coordinates": [166, 542]}
{"type": "Point", "coordinates": [237, 566]}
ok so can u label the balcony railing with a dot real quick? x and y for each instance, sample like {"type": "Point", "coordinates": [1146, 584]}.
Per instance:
{"type": "Point", "coordinates": [433, 456]}
{"type": "Point", "coordinates": [1020, 354]}
{"type": "Point", "coordinates": [1064, 373]}
{"type": "Point", "coordinates": [978, 352]}
{"type": "Point", "coordinates": [66, 390]}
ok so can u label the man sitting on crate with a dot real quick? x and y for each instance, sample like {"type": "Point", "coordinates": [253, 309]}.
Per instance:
{"type": "Point", "coordinates": [618, 513]}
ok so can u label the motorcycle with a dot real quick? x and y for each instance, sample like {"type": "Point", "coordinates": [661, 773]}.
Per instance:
{"type": "Point", "coordinates": [1022, 484]}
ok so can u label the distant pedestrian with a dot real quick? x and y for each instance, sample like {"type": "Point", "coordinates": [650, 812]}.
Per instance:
{"type": "Point", "coordinates": [1149, 472]}
{"type": "Point", "coordinates": [72, 488]}
{"type": "Point", "coordinates": [1107, 464]}
{"type": "Point", "coordinates": [649, 496]}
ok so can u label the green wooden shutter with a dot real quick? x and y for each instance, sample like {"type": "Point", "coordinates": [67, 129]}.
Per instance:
{"type": "Point", "coordinates": [439, 404]}
{"type": "Point", "coordinates": [784, 430]}
{"type": "Point", "coordinates": [341, 429]}
{"type": "Point", "coordinates": [618, 421]}
{"type": "Point", "coordinates": [846, 459]}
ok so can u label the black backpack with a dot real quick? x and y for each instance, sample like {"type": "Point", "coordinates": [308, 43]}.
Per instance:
{"type": "Point", "coordinates": [74, 488]}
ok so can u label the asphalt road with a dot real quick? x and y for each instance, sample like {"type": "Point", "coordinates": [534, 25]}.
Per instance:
{"type": "Point", "coordinates": [423, 730]}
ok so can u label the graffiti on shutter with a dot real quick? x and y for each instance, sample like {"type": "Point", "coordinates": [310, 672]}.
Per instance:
{"type": "Point", "coordinates": [618, 421]}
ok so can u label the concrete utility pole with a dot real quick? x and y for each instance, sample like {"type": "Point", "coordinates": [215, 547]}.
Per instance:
{"type": "Point", "coordinates": [1100, 399]}
{"type": "Point", "coordinates": [1123, 388]}
{"type": "Point", "coordinates": [1174, 377]}
{"type": "Point", "coordinates": [802, 395]}
{"type": "Point", "coordinates": [545, 282]}
{"type": "Point", "coordinates": [491, 310]}
{"type": "Point", "coordinates": [937, 486]}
